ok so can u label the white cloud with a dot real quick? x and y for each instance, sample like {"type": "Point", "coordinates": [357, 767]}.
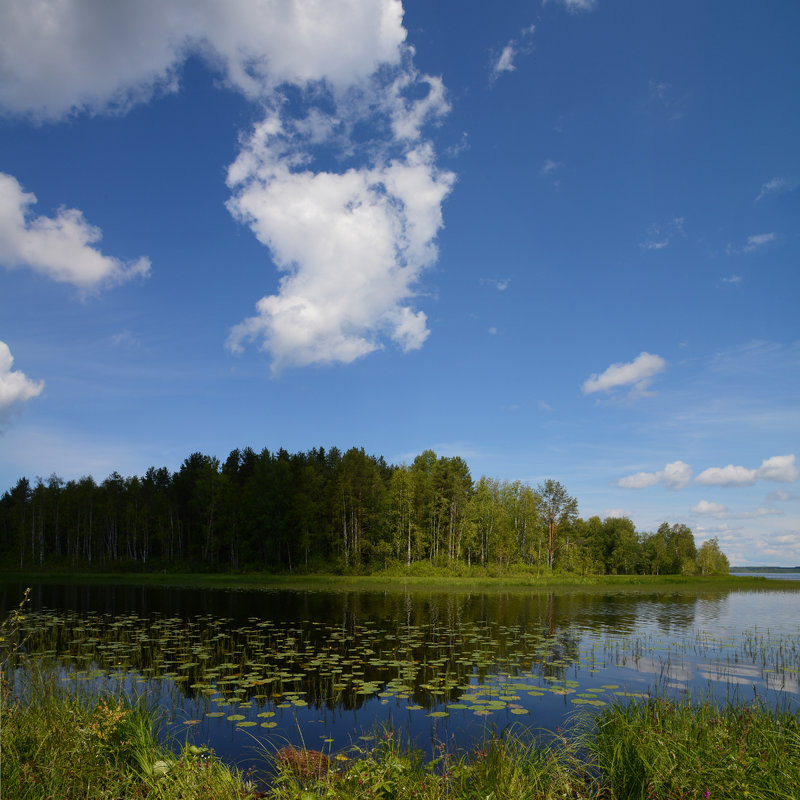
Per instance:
{"type": "Point", "coordinates": [675, 475]}
{"type": "Point", "coordinates": [15, 386]}
{"type": "Point", "coordinates": [777, 468]}
{"type": "Point", "coordinates": [350, 241]}
{"type": "Point", "coordinates": [757, 241]}
{"type": "Point", "coordinates": [773, 186]}
{"type": "Point", "coordinates": [351, 245]}
{"type": "Point", "coordinates": [782, 496]}
{"type": "Point", "coordinates": [574, 6]}
{"type": "Point", "coordinates": [706, 507]}
{"type": "Point", "coordinates": [505, 61]}
{"type": "Point", "coordinates": [719, 511]}
{"type": "Point", "coordinates": [638, 373]}
{"type": "Point", "coordinates": [501, 284]}
{"type": "Point", "coordinates": [59, 247]}
{"type": "Point", "coordinates": [60, 56]}
{"type": "Point", "coordinates": [662, 96]}
{"type": "Point", "coordinates": [660, 236]}
{"type": "Point", "coordinates": [550, 166]}
{"type": "Point", "coordinates": [727, 476]}
{"type": "Point", "coordinates": [408, 116]}
{"type": "Point", "coordinates": [732, 279]}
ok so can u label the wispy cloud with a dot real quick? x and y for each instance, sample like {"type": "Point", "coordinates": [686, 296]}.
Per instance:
{"type": "Point", "coordinates": [574, 6]}
{"type": "Point", "coordinates": [550, 166]}
{"type": "Point", "coordinates": [662, 95]}
{"type": "Point", "coordinates": [753, 243]}
{"type": "Point", "coordinates": [504, 62]}
{"type": "Point", "coordinates": [550, 169]}
{"type": "Point", "coordinates": [501, 284]}
{"type": "Point", "coordinates": [732, 279]}
{"type": "Point", "coordinates": [773, 186]}
{"type": "Point", "coordinates": [757, 241]}
{"type": "Point", "coordinates": [675, 475]}
{"type": "Point", "coordinates": [719, 511]}
{"type": "Point", "coordinates": [638, 374]}
{"type": "Point", "coordinates": [125, 339]}
{"type": "Point", "coordinates": [59, 247]}
{"type": "Point", "coordinates": [782, 496]}
{"type": "Point", "coordinates": [15, 387]}
{"type": "Point", "coordinates": [659, 236]}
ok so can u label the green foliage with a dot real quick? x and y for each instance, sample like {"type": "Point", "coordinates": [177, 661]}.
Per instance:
{"type": "Point", "coordinates": [347, 513]}
{"type": "Point", "coordinates": [657, 750]}
{"type": "Point", "coordinates": [661, 749]}
{"type": "Point", "coordinates": [56, 744]}
{"type": "Point", "coordinates": [711, 560]}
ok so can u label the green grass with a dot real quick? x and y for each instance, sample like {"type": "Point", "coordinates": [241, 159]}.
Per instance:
{"type": "Point", "coordinates": [404, 582]}
{"type": "Point", "coordinates": [663, 749]}
{"type": "Point", "coordinates": [653, 751]}
{"type": "Point", "coordinates": [56, 744]}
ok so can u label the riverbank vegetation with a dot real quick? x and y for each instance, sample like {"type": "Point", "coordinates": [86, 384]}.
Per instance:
{"type": "Point", "coordinates": [435, 580]}
{"type": "Point", "coordinates": [58, 744]}
{"type": "Point", "coordinates": [324, 511]}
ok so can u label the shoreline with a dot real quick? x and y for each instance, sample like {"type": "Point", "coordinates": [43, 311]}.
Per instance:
{"type": "Point", "coordinates": [384, 582]}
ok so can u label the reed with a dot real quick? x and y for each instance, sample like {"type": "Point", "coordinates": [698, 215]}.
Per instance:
{"type": "Point", "coordinates": [666, 749]}
{"type": "Point", "coordinates": [55, 743]}
{"type": "Point", "coordinates": [59, 744]}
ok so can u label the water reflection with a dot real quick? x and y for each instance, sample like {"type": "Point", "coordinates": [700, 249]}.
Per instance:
{"type": "Point", "coordinates": [328, 666]}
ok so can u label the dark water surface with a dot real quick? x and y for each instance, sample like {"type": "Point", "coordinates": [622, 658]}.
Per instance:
{"type": "Point", "coordinates": [247, 671]}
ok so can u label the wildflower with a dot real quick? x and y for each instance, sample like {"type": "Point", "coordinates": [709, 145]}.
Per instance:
{"type": "Point", "coordinates": [706, 794]}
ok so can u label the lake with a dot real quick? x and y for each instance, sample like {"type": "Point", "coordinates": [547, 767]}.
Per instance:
{"type": "Point", "coordinates": [250, 670]}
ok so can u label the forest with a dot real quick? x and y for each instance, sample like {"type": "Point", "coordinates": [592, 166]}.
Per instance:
{"type": "Point", "coordinates": [328, 511]}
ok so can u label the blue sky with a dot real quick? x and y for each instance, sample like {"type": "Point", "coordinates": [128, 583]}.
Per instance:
{"type": "Point", "coordinates": [557, 239]}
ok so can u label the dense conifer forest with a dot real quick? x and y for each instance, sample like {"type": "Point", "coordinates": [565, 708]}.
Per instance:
{"type": "Point", "coordinates": [328, 511]}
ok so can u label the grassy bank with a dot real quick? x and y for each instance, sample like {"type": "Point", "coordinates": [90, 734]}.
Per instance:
{"type": "Point", "coordinates": [411, 581]}
{"type": "Point", "coordinates": [654, 751]}
{"type": "Point", "coordinates": [55, 744]}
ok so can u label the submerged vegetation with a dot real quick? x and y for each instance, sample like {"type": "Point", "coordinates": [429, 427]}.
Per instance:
{"type": "Point", "coordinates": [324, 511]}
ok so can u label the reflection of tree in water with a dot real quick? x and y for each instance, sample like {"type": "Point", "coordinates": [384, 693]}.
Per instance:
{"type": "Point", "coordinates": [674, 611]}
{"type": "Point", "coordinates": [336, 650]}
{"type": "Point", "coordinates": [337, 667]}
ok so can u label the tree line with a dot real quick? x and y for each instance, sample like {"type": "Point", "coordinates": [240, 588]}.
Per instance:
{"type": "Point", "coordinates": [324, 510]}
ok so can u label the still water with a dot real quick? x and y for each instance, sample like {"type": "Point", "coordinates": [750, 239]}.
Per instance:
{"type": "Point", "coordinates": [249, 671]}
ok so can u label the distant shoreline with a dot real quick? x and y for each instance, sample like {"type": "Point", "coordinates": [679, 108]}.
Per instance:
{"type": "Point", "coordinates": [383, 582]}
{"type": "Point", "coordinates": [765, 569]}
